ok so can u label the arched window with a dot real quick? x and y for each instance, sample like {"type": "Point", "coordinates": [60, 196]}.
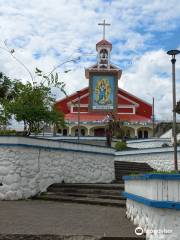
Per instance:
{"type": "Point", "coordinates": [104, 54]}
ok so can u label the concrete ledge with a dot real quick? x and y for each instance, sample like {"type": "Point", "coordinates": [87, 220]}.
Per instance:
{"type": "Point", "coordinates": [153, 176]}
{"type": "Point", "coordinates": [52, 148]}
{"type": "Point", "coordinates": [156, 207]}
{"type": "Point", "coordinates": [53, 144]}
{"type": "Point", "coordinates": [153, 203]}
{"type": "Point", "coordinates": [146, 151]}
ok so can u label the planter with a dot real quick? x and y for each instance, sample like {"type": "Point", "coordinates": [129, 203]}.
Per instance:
{"type": "Point", "coordinates": [153, 203]}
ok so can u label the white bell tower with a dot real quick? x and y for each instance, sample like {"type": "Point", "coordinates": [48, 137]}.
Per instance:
{"type": "Point", "coordinates": [104, 49]}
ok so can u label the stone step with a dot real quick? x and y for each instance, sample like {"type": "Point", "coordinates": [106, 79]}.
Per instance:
{"type": "Point", "coordinates": [85, 191]}
{"type": "Point", "coordinates": [112, 186]}
{"type": "Point", "coordinates": [78, 195]}
{"type": "Point", "coordinates": [134, 168]}
{"type": "Point", "coordinates": [123, 238]}
{"type": "Point", "coordinates": [132, 165]}
{"type": "Point", "coordinates": [129, 171]}
{"type": "Point", "coordinates": [83, 200]}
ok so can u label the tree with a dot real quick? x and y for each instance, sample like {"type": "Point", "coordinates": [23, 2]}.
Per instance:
{"type": "Point", "coordinates": [30, 102]}
{"type": "Point", "coordinates": [34, 102]}
{"type": "Point", "coordinates": [114, 128]}
{"type": "Point", "coordinates": [34, 106]}
{"type": "Point", "coordinates": [8, 90]}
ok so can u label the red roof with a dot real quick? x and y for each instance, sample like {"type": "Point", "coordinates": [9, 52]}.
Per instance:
{"type": "Point", "coordinates": [89, 117]}
{"type": "Point", "coordinates": [143, 110]}
{"type": "Point", "coordinates": [103, 43]}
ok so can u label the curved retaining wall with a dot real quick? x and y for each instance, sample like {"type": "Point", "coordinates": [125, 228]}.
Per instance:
{"type": "Point", "coordinates": [28, 166]}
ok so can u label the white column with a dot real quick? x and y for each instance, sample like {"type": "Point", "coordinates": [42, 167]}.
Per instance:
{"type": "Point", "coordinates": [69, 131]}
{"type": "Point", "coordinates": [136, 132]}
{"type": "Point", "coordinates": [88, 131]}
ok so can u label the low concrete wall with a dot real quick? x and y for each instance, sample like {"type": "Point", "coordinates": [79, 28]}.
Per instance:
{"type": "Point", "coordinates": [28, 166]}
{"type": "Point", "coordinates": [149, 143]}
{"type": "Point", "coordinates": [153, 204]}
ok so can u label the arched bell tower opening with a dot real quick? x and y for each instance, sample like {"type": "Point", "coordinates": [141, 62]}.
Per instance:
{"type": "Point", "coordinates": [104, 51]}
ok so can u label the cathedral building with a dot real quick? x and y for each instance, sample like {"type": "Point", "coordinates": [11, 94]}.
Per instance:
{"type": "Point", "coordinates": [89, 108]}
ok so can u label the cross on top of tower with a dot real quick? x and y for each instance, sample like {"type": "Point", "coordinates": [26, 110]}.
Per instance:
{"type": "Point", "coordinates": [104, 24]}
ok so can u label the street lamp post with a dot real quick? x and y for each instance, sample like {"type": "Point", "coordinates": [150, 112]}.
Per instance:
{"type": "Point", "coordinates": [78, 115]}
{"type": "Point", "coordinates": [153, 118]}
{"type": "Point", "coordinates": [173, 53]}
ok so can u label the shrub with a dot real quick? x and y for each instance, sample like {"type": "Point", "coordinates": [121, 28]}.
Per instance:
{"type": "Point", "coordinates": [165, 145]}
{"type": "Point", "coordinates": [120, 146]}
{"type": "Point", "coordinates": [7, 132]}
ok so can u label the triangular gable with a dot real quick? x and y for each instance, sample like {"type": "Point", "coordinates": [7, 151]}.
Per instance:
{"type": "Point", "coordinates": [125, 101]}
{"type": "Point", "coordinates": [73, 96]}
{"type": "Point", "coordinates": [132, 97]}
{"type": "Point", "coordinates": [83, 99]}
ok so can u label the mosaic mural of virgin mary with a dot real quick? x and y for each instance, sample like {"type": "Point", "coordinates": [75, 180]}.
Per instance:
{"type": "Point", "coordinates": [103, 90]}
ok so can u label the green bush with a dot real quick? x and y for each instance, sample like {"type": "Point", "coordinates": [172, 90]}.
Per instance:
{"type": "Point", "coordinates": [7, 132]}
{"type": "Point", "coordinates": [120, 146]}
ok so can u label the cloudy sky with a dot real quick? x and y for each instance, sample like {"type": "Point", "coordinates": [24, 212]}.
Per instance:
{"type": "Point", "coordinates": [45, 33]}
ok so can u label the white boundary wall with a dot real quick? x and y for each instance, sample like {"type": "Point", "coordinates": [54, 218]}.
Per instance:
{"type": "Point", "coordinates": [28, 166]}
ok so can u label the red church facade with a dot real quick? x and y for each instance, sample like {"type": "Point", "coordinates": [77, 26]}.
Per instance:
{"type": "Point", "coordinates": [135, 113]}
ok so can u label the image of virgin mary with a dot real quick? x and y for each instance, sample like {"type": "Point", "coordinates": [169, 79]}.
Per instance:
{"type": "Point", "coordinates": [102, 92]}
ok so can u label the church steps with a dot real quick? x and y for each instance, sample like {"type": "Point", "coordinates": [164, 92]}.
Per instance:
{"type": "Point", "coordinates": [126, 168]}
{"type": "Point", "coordinates": [85, 200]}
{"type": "Point", "coordinates": [82, 192]}
{"type": "Point", "coordinates": [100, 194]}
{"type": "Point", "coordinates": [116, 196]}
{"type": "Point", "coordinates": [111, 186]}
{"type": "Point", "coordinates": [96, 193]}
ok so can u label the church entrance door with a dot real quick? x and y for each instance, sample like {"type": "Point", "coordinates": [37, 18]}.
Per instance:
{"type": "Point", "coordinates": [140, 134]}
{"type": "Point", "coordinates": [99, 132]}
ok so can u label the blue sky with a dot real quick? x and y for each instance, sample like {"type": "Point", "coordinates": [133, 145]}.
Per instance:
{"type": "Point", "coordinates": [47, 32]}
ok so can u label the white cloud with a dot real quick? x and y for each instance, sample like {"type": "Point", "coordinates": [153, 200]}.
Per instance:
{"type": "Point", "coordinates": [57, 29]}
{"type": "Point", "coordinates": [150, 76]}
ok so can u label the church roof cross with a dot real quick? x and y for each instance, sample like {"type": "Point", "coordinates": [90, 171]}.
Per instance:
{"type": "Point", "coordinates": [104, 24]}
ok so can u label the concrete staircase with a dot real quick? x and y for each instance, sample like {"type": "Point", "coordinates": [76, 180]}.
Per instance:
{"type": "Point", "coordinates": [98, 194]}
{"type": "Point", "coordinates": [126, 168]}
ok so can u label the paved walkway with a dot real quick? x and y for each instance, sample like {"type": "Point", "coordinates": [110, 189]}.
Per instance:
{"type": "Point", "coordinates": [44, 217]}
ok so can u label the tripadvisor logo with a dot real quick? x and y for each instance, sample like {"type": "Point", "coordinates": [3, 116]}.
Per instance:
{"type": "Point", "coordinates": [139, 231]}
